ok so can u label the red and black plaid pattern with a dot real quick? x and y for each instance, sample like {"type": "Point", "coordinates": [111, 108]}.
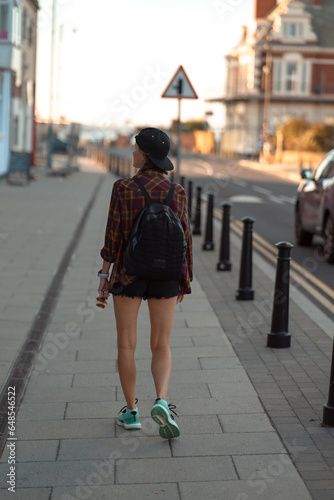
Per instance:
{"type": "Point", "coordinates": [126, 203]}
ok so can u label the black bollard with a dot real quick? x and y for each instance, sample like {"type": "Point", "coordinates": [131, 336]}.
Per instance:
{"type": "Point", "coordinates": [224, 263]}
{"type": "Point", "coordinates": [245, 291]}
{"type": "Point", "coordinates": [197, 222]}
{"type": "Point", "coordinates": [328, 411]}
{"type": "Point", "coordinates": [190, 198]}
{"type": "Point", "coordinates": [279, 335]}
{"type": "Point", "coordinates": [182, 180]}
{"type": "Point", "coordinates": [208, 240]}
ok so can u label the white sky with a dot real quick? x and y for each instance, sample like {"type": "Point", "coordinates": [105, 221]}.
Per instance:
{"type": "Point", "coordinates": [114, 68]}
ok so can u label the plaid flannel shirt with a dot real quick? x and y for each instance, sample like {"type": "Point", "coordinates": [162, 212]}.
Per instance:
{"type": "Point", "coordinates": [126, 203]}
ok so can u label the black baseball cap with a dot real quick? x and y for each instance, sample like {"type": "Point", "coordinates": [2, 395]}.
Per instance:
{"type": "Point", "coordinates": [155, 144]}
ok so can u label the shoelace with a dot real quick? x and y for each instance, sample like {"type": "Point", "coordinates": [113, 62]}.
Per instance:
{"type": "Point", "coordinates": [172, 408]}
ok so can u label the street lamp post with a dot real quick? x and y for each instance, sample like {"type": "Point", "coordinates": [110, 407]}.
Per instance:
{"type": "Point", "coordinates": [267, 70]}
{"type": "Point", "coordinates": [60, 64]}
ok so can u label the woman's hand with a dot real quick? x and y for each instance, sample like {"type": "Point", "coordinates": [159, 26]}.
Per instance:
{"type": "Point", "coordinates": [180, 298]}
{"type": "Point", "coordinates": [104, 288]}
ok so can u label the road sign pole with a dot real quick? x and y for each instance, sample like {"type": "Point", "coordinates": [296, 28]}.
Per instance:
{"type": "Point", "coordinates": [179, 88]}
{"type": "Point", "coordinates": [178, 151]}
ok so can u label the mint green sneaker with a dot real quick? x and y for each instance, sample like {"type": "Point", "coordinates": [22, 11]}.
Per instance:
{"type": "Point", "coordinates": [129, 420]}
{"type": "Point", "coordinates": [161, 414]}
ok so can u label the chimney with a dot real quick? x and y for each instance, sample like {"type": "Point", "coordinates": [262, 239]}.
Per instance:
{"type": "Point", "coordinates": [263, 7]}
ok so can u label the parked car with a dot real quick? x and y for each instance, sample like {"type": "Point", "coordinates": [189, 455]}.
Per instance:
{"type": "Point", "coordinates": [315, 206]}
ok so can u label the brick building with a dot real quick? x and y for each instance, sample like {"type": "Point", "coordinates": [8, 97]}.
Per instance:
{"type": "Point", "coordinates": [18, 25]}
{"type": "Point", "coordinates": [281, 69]}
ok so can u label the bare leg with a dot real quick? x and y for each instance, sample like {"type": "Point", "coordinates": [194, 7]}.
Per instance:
{"type": "Point", "coordinates": [162, 316]}
{"type": "Point", "coordinates": [126, 313]}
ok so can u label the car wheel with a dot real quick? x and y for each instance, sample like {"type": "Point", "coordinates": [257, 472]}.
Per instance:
{"type": "Point", "coordinates": [303, 238]}
{"type": "Point", "coordinates": [329, 240]}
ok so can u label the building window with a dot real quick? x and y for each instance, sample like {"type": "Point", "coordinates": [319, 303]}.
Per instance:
{"type": "Point", "coordinates": [17, 26]}
{"type": "Point", "coordinates": [303, 83]}
{"type": "Point", "coordinates": [293, 30]}
{"type": "Point", "coordinates": [23, 24]}
{"type": "Point", "coordinates": [277, 76]}
{"type": "Point", "coordinates": [30, 34]}
{"type": "Point", "coordinates": [291, 77]}
{"type": "Point", "coordinates": [15, 131]}
{"type": "Point", "coordinates": [4, 20]}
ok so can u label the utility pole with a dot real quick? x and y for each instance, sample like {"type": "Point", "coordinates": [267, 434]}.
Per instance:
{"type": "Point", "coordinates": [51, 97]}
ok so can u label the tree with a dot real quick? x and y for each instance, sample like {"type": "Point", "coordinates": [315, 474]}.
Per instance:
{"type": "Point", "coordinates": [319, 137]}
{"type": "Point", "coordinates": [300, 135]}
{"type": "Point", "coordinates": [292, 131]}
{"type": "Point", "coordinates": [190, 125]}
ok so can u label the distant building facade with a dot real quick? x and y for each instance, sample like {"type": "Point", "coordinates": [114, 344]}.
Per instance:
{"type": "Point", "coordinates": [282, 69]}
{"type": "Point", "coordinates": [18, 26]}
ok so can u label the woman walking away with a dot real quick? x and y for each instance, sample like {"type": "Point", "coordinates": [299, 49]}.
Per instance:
{"type": "Point", "coordinates": [128, 290]}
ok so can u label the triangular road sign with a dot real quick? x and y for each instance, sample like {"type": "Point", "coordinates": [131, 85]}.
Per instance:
{"type": "Point", "coordinates": [180, 87]}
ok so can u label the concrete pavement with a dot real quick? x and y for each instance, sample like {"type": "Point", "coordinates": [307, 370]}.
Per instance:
{"type": "Point", "coordinates": [68, 444]}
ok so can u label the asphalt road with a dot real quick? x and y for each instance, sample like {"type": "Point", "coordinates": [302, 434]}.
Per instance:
{"type": "Point", "coordinates": [268, 199]}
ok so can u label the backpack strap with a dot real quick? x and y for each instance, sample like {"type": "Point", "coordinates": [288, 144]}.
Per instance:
{"type": "Point", "coordinates": [143, 190]}
{"type": "Point", "coordinates": [147, 196]}
{"type": "Point", "coordinates": [170, 194]}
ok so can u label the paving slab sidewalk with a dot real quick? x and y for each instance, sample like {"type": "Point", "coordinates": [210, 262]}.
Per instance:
{"type": "Point", "coordinates": [68, 444]}
{"type": "Point", "coordinates": [37, 223]}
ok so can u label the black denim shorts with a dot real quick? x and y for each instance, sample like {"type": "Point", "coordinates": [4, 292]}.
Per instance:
{"type": "Point", "coordinates": [147, 289]}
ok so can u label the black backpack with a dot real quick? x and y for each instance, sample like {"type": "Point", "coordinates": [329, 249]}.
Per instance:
{"type": "Point", "coordinates": [156, 245]}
